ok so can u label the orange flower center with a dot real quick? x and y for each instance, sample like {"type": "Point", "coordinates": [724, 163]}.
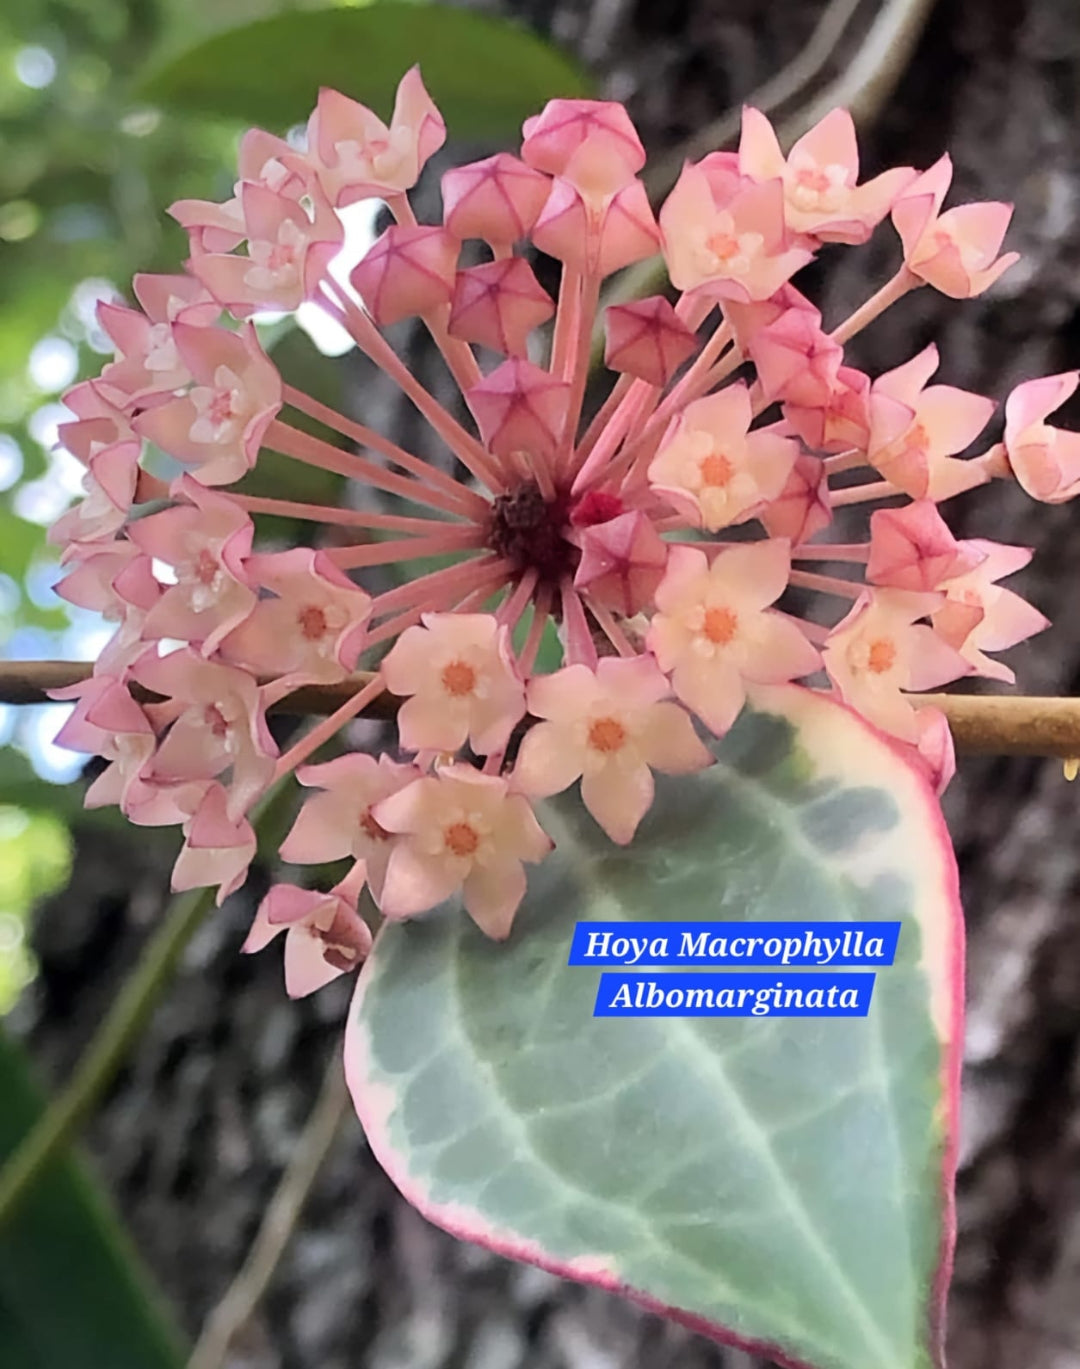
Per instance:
{"type": "Point", "coordinates": [881, 657]}
{"type": "Point", "coordinates": [312, 622]}
{"type": "Point", "coordinates": [206, 568]}
{"type": "Point", "coordinates": [720, 625]}
{"type": "Point", "coordinates": [458, 679]}
{"type": "Point", "coordinates": [461, 839]}
{"type": "Point", "coordinates": [716, 469]}
{"type": "Point", "coordinates": [221, 406]}
{"type": "Point", "coordinates": [723, 245]}
{"type": "Point", "coordinates": [813, 178]}
{"type": "Point", "coordinates": [606, 735]}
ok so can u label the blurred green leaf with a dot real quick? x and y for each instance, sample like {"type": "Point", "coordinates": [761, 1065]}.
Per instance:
{"type": "Point", "coordinates": [35, 860]}
{"type": "Point", "coordinates": [73, 1294]}
{"type": "Point", "coordinates": [21, 787]}
{"type": "Point", "coordinates": [485, 74]}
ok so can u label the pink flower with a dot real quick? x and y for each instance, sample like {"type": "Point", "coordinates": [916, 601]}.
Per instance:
{"type": "Point", "coordinates": [880, 650]}
{"type": "Point", "coordinates": [622, 537]}
{"type": "Point", "coordinates": [107, 722]}
{"type": "Point", "coordinates": [713, 630]}
{"type": "Point", "coordinates": [458, 673]}
{"type": "Point", "coordinates": [218, 848]}
{"type": "Point", "coordinates": [99, 422]}
{"type": "Point", "coordinates": [217, 725]}
{"type": "Point", "coordinates": [713, 470]}
{"type": "Point", "coordinates": [338, 822]}
{"type": "Point", "coordinates": [916, 432]}
{"type": "Point", "coordinates": [460, 829]}
{"type": "Point", "coordinates": [802, 508]}
{"type": "Point", "coordinates": [980, 616]}
{"type": "Point", "coordinates": [205, 542]}
{"type": "Point", "coordinates": [357, 157]}
{"type": "Point", "coordinates": [819, 177]}
{"type": "Point", "coordinates": [265, 161]}
{"type": "Point", "coordinates": [219, 424]}
{"type": "Point", "coordinates": [289, 249]}
{"type": "Point", "coordinates": [725, 238]}
{"type": "Point", "coordinates": [109, 482]}
{"type": "Point", "coordinates": [955, 252]}
{"type": "Point", "coordinates": [611, 728]}
{"type": "Point", "coordinates": [1045, 460]}
{"type": "Point", "coordinates": [314, 626]}
{"type": "Point", "coordinates": [324, 935]}
{"type": "Point", "coordinates": [116, 580]}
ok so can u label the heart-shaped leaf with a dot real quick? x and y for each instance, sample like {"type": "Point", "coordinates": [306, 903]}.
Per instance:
{"type": "Point", "coordinates": [486, 74]}
{"type": "Point", "coordinates": [783, 1183]}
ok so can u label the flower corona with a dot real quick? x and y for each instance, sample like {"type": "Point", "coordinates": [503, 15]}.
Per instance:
{"type": "Point", "coordinates": [605, 593]}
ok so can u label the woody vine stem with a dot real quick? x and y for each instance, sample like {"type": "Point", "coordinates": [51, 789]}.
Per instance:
{"type": "Point", "coordinates": [992, 724]}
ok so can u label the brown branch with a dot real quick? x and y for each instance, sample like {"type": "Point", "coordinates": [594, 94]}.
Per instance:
{"type": "Point", "coordinates": [997, 724]}
{"type": "Point", "coordinates": [280, 1221]}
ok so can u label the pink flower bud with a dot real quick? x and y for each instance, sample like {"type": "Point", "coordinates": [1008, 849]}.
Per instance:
{"type": "Point", "coordinates": [408, 271]}
{"type": "Point", "coordinates": [622, 562]}
{"type": "Point", "coordinates": [796, 360]}
{"type": "Point", "coordinates": [497, 199]}
{"type": "Point", "coordinates": [597, 239]}
{"type": "Point", "coordinates": [912, 548]}
{"type": "Point", "coordinates": [842, 421]}
{"type": "Point", "coordinates": [519, 407]}
{"type": "Point", "coordinates": [498, 305]}
{"type": "Point", "coordinates": [646, 339]}
{"type": "Point", "coordinates": [802, 507]}
{"type": "Point", "coordinates": [590, 143]}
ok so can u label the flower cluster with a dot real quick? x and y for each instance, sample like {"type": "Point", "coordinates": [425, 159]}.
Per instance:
{"type": "Point", "coordinates": [731, 407]}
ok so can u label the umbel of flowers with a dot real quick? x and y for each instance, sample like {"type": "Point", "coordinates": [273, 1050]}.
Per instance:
{"type": "Point", "coordinates": [731, 408]}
